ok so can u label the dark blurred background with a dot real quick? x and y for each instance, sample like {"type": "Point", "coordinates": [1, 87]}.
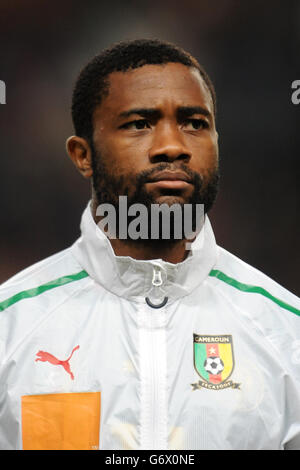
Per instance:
{"type": "Point", "coordinates": [251, 50]}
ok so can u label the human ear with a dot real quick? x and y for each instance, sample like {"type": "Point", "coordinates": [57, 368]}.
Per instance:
{"type": "Point", "coordinates": [80, 153]}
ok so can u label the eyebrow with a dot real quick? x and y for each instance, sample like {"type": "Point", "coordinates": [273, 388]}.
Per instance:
{"type": "Point", "coordinates": [153, 113]}
{"type": "Point", "coordinates": [186, 111]}
{"type": "Point", "coordinates": [145, 112]}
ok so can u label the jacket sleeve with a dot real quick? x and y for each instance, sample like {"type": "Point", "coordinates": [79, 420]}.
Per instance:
{"type": "Point", "coordinates": [292, 421]}
{"type": "Point", "coordinates": [285, 336]}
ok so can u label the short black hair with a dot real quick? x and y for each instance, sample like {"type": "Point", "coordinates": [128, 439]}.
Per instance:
{"type": "Point", "coordinates": [92, 83]}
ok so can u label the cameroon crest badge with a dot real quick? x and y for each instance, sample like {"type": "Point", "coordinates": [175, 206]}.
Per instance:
{"type": "Point", "coordinates": [214, 361]}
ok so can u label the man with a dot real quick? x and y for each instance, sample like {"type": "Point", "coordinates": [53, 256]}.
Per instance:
{"type": "Point", "coordinates": [125, 342]}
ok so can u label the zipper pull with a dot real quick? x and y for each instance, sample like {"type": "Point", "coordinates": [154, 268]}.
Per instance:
{"type": "Point", "coordinates": [156, 279]}
{"type": "Point", "coordinates": [156, 283]}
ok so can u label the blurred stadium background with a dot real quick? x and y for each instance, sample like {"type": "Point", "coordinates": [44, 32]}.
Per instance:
{"type": "Point", "coordinates": [251, 50]}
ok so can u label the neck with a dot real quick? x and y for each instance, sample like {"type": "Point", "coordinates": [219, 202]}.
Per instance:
{"type": "Point", "coordinates": [146, 249]}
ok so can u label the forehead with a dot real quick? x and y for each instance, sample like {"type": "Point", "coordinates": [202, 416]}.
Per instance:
{"type": "Point", "coordinates": [156, 86]}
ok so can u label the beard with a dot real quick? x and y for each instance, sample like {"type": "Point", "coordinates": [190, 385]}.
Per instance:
{"type": "Point", "coordinates": [108, 188]}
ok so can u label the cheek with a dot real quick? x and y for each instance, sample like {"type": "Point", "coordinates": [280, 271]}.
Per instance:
{"type": "Point", "coordinates": [205, 156]}
{"type": "Point", "coordinates": [124, 156]}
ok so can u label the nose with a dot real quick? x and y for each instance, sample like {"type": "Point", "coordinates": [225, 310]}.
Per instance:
{"type": "Point", "coordinates": [168, 145]}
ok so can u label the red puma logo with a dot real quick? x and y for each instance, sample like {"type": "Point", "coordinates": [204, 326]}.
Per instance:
{"type": "Point", "coordinates": [47, 357]}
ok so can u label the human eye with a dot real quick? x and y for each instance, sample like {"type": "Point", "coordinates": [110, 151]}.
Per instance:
{"type": "Point", "coordinates": [194, 124]}
{"type": "Point", "coordinates": [137, 124]}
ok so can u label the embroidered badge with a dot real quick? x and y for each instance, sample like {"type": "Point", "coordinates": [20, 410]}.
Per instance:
{"type": "Point", "coordinates": [47, 357]}
{"type": "Point", "coordinates": [214, 362]}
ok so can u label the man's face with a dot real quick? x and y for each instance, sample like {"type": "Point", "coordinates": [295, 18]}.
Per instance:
{"type": "Point", "coordinates": [155, 139]}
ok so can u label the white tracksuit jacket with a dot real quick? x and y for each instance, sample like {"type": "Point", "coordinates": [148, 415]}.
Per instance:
{"type": "Point", "coordinates": [217, 367]}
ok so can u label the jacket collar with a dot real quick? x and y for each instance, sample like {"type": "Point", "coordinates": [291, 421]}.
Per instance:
{"type": "Point", "coordinates": [132, 279]}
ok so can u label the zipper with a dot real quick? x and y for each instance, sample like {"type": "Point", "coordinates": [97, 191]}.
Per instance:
{"type": "Point", "coordinates": [156, 278]}
{"type": "Point", "coordinates": [156, 289]}
{"type": "Point", "coordinates": [153, 370]}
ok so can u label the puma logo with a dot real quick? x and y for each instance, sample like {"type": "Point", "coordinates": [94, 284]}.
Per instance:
{"type": "Point", "coordinates": [47, 357]}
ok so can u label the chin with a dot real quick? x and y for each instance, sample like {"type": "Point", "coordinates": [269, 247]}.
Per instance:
{"type": "Point", "coordinates": [170, 200]}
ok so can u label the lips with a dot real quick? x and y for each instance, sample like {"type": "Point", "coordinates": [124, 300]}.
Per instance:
{"type": "Point", "coordinates": [170, 181]}
{"type": "Point", "coordinates": [170, 176]}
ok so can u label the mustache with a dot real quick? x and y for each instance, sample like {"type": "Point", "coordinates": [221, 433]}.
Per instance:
{"type": "Point", "coordinates": [147, 175]}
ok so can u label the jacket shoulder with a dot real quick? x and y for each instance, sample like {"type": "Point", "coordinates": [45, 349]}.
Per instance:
{"type": "Point", "coordinates": [243, 278]}
{"type": "Point", "coordinates": [51, 269]}
{"type": "Point", "coordinates": [53, 272]}
{"type": "Point", "coordinates": [34, 292]}
{"type": "Point", "coordinates": [264, 304]}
